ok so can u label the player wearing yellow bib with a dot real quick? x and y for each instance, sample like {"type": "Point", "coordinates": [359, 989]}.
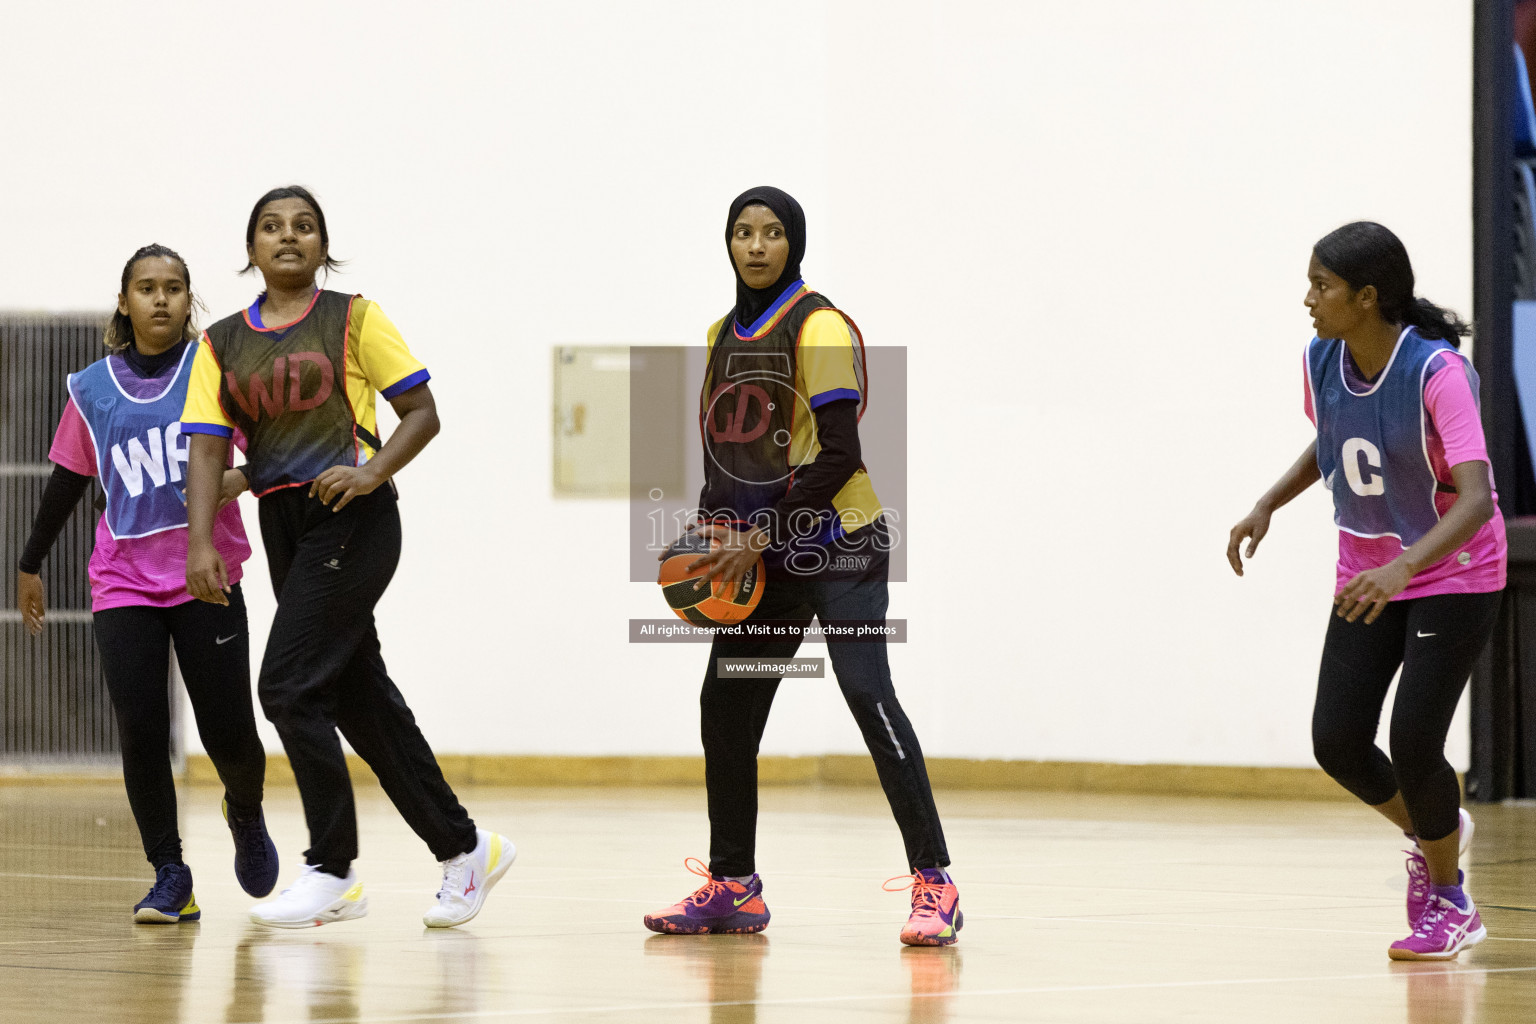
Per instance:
{"type": "Point", "coordinates": [779, 413]}
{"type": "Point", "coordinates": [297, 373]}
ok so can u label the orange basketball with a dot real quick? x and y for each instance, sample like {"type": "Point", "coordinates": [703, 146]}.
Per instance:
{"type": "Point", "coordinates": [713, 605]}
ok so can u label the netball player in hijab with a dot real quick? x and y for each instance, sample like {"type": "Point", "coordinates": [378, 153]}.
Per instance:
{"type": "Point", "coordinates": [297, 373]}
{"type": "Point", "coordinates": [122, 426]}
{"type": "Point", "coordinates": [1421, 556]}
{"type": "Point", "coordinates": [779, 414]}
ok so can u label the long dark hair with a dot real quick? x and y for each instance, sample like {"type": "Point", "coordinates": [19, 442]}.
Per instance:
{"type": "Point", "coordinates": [119, 332]}
{"type": "Point", "coordinates": [1366, 253]}
{"type": "Point", "coordinates": [290, 192]}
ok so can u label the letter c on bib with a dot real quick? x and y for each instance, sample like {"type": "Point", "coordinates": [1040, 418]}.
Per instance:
{"type": "Point", "coordinates": [1353, 449]}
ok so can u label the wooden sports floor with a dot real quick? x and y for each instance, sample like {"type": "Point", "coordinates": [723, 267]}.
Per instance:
{"type": "Point", "coordinates": [1078, 909]}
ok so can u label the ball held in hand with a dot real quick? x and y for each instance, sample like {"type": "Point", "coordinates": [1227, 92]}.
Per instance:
{"type": "Point", "coordinates": [714, 604]}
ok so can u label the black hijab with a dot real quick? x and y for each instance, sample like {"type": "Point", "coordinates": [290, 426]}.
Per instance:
{"type": "Point", "coordinates": [750, 302]}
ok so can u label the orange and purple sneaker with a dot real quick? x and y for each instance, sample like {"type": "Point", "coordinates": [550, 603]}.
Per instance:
{"type": "Point", "coordinates": [936, 919]}
{"type": "Point", "coordinates": [720, 906]}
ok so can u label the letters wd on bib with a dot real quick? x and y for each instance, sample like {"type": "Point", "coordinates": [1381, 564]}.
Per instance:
{"type": "Point", "coordinates": [303, 393]}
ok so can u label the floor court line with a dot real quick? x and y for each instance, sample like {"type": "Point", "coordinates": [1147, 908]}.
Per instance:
{"type": "Point", "coordinates": [55, 847]}
{"type": "Point", "coordinates": [57, 942]}
{"type": "Point", "coordinates": [74, 878]}
{"type": "Point", "coordinates": [93, 970]}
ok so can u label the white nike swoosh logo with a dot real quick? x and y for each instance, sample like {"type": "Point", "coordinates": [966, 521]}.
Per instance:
{"type": "Point", "coordinates": [225, 639]}
{"type": "Point", "coordinates": [1426, 634]}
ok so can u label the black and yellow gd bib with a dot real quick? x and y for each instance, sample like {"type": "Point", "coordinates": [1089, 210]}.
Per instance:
{"type": "Point", "coordinates": [285, 389]}
{"type": "Point", "coordinates": [747, 412]}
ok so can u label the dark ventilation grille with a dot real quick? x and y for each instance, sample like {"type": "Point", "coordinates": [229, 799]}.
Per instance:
{"type": "Point", "coordinates": [54, 708]}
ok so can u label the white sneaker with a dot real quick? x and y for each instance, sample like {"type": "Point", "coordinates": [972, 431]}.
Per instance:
{"type": "Point", "coordinates": [468, 877]}
{"type": "Point", "coordinates": [314, 898]}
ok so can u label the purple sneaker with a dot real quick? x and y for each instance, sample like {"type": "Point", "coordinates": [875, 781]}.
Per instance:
{"type": "Point", "coordinates": [719, 907]}
{"type": "Point", "coordinates": [1443, 930]}
{"type": "Point", "coordinates": [1418, 870]}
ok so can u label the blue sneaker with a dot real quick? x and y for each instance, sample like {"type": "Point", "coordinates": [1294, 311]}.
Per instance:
{"type": "Point", "coordinates": [170, 899]}
{"type": "Point", "coordinates": [255, 853]}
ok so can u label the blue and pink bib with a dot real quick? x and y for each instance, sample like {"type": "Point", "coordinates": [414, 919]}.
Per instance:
{"type": "Point", "coordinates": [1371, 445]}
{"type": "Point", "coordinates": [141, 453]}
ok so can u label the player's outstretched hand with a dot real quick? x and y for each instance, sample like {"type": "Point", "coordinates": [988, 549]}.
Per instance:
{"type": "Point", "coordinates": [1251, 528]}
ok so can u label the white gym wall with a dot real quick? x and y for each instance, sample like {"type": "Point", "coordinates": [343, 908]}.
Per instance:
{"type": "Point", "coordinates": [1089, 223]}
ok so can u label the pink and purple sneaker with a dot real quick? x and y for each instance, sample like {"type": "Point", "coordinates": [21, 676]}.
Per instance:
{"type": "Point", "coordinates": [1442, 931]}
{"type": "Point", "coordinates": [1418, 870]}
{"type": "Point", "coordinates": [936, 919]}
{"type": "Point", "coordinates": [721, 906]}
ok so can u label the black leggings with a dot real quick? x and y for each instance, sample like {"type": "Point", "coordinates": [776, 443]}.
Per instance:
{"type": "Point", "coordinates": [323, 671]}
{"type": "Point", "coordinates": [734, 712]}
{"type": "Point", "coordinates": [213, 651]}
{"type": "Point", "coordinates": [1435, 639]}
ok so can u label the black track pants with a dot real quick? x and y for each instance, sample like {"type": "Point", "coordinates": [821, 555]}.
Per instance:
{"type": "Point", "coordinates": [1436, 640]}
{"type": "Point", "coordinates": [322, 671]}
{"type": "Point", "coordinates": [213, 652]}
{"type": "Point", "coordinates": [734, 712]}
